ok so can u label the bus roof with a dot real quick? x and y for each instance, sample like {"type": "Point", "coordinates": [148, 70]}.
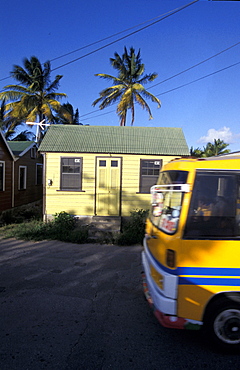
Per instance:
{"type": "Point", "coordinates": [222, 162]}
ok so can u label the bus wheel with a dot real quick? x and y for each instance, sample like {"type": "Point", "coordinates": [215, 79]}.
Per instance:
{"type": "Point", "coordinates": [223, 325]}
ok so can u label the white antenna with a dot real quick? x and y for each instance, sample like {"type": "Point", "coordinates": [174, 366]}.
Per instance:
{"type": "Point", "coordinates": [38, 124]}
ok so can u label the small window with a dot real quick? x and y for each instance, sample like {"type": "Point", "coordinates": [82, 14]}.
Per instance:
{"type": "Point", "coordinates": [149, 172]}
{"type": "Point", "coordinates": [22, 178]}
{"type": "Point", "coordinates": [102, 163]}
{"type": "Point", "coordinates": [71, 174]}
{"type": "Point", "coordinates": [114, 163]}
{"type": "Point", "coordinates": [2, 176]}
{"type": "Point", "coordinates": [39, 174]}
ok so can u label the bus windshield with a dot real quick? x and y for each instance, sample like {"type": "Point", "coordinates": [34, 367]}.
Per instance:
{"type": "Point", "coordinates": [167, 198]}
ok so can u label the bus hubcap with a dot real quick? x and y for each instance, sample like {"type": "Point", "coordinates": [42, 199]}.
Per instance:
{"type": "Point", "coordinates": [227, 326]}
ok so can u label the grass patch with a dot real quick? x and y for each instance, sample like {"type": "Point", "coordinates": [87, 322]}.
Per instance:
{"type": "Point", "coordinates": [62, 228]}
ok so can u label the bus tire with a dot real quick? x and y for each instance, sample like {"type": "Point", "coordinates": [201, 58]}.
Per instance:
{"type": "Point", "coordinates": [222, 325]}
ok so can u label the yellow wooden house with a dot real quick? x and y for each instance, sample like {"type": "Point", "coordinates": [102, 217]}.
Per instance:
{"type": "Point", "coordinates": [104, 170]}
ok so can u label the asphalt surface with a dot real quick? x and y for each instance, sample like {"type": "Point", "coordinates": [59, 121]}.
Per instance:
{"type": "Point", "coordinates": [68, 307]}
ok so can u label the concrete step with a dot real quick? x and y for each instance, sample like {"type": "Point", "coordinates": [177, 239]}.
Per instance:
{"type": "Point", "coordinates": [100, 225]}
{"type": "Point", "coordinates": [106, 223]}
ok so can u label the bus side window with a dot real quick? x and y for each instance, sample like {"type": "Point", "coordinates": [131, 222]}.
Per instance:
{"type": "Point", "coordinates": [213, 207]}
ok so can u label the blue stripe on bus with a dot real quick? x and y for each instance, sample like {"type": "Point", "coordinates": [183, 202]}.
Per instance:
{"type": "Point", "coordinates": [208, 281]}
{"type": "Point", "coordinates": [212, 271]}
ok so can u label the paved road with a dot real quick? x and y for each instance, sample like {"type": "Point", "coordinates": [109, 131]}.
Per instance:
{"type": "Point", "coordinates": [69, 307]}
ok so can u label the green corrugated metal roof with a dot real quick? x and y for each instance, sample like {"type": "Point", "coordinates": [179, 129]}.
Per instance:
{"type": "Point", "coordinates": [115, 139]}
{"type": "Point", "coordinates": [17, 147]}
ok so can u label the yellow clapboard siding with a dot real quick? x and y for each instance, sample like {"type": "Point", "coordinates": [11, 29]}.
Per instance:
{"type": "Point", "coordinates": [77, 203]}
{"type": "Point", "coordinates": [83, 202]}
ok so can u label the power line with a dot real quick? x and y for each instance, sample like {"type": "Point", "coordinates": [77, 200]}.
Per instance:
{"type": "Point", "coordinates": [102, 114]}
{"type": "Point", "coordinates": [168, 91]}
{"type": "Point", "coordinates": [196, 65]}
{"type": "Point", "coordinates": [198, 79]}
{"type": "Point", "coordinates": [164, 16]}
{"type": "Point", "coordinates": [108, 37]}
{"type": "Point", "coordinates": [178, 74]}
{"type": "Point", "coordinates": [124, 37]}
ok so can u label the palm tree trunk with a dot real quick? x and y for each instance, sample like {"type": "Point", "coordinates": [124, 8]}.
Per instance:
{"type": "Point", "coordinates": [123, 118]}
{"type": "Point", "coordinates": [133, 113]}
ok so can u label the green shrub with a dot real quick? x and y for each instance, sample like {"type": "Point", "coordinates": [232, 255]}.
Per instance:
{"type": "Point", "coordinates": [63, 225]}
{"type": "Point", "coordinates": [64, 220]}
{"type": "Point", "coordinates": [133, 229]}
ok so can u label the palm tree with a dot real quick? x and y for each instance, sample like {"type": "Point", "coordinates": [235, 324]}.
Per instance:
{"type": "Point", "coordinates": [211, 149]}
{"type": "Point", "coordinates": [128, 86]}
{"type": "Point", "coordinates": [36, 99]}
{"type": "Point", "coordinates": [197, 152]}
{"type": "Point", "coordinates": [8, 124]}
{"type": "Point", "coordinates": [67, 115]}
{"type": "Point", "coordinates": [216, 148]}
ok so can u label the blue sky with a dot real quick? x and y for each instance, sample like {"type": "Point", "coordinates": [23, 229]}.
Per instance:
{"type": "Point", "coordinates": [206, 109]}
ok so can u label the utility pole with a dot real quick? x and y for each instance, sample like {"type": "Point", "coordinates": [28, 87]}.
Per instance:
{"type": "Point", "coordinates": [39, 125]}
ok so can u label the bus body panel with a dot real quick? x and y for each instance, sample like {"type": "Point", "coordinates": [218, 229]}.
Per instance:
{"type": "Point", "coordinates": [205, 267]}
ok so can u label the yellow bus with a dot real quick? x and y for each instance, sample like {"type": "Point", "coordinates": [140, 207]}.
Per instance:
{"type": "Point", "coordinates": [191, 255]}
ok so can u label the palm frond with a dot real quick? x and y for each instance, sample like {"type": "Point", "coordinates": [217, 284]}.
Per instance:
{"type": "Point", "coordinates": [108, 77]}
{"type": "Point", "coordinates": [47, 112]}
{"type": "Point", "coordinates": [137, 87]}
{"type": "Point", "coordinates": [108, 100]}
{"type": "Point", "coordinates": [148, 78]}
{"type": "Point", "coordinates": [20, 75]}
{"type": "Point", "coordinates": [30, 101]}
{"type": "Point", "coordinates": [33, 67]}
{"type": "Point", "coordinates": [111, 89]}
{"type": "Point", "coordinates": [153, 98]}
{"type": "Point", "coordinates": [46, 73]}
{"type": "Point", "coordinates": [118, 63]}
{"type": "Point", "coordinates": [17, 111]}
{"type": "Point", "coordinates": [109, 93]}
{"type": "Point", "coordinates": [55, 84]}
{"type": "Point", "coordinates": [2, 111]}
{"type": "Point", "coordinates": [56, 96]}
{"type": "Point", "coordinates": [53, 104]}
{"type": "Point", "coordinates": [32, 115]}
{"type": "Point", "coordinates": [143, 104]}
{"type": "Point", "coordinates": [11, 95]}
{"type": "Point", "coordinates": [66, 114]}
{"type": "Point", "coordinates": [17, 88]}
